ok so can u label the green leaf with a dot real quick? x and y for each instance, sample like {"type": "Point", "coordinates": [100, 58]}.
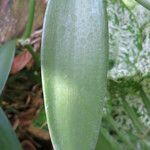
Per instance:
{"type": "Point", "coordinates": [6, 56]}
{"type": "Point", "coordinates": [8, 139]}
{"type": "Point", "coordinates": [130, 3]}
{"type": "Point", "coordinates": [144, 3]}
{"type": "Point", "coordinates": [74, 71]}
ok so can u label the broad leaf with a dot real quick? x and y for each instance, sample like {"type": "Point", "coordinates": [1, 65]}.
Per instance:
{"type": "Point", "coordinates": [74, 67]}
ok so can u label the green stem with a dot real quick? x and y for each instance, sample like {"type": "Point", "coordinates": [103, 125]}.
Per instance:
{"type": "Point", "coordinates": [34, 55]}
{"type": "Point", "coordinates": [144, 3]}
{"type": "Point", "coordinates": [130, 112]}
{"type": "Point", "coordinates": [145, 100]}
{"type": "Point", "coordinates": [121, 134]}
{"type": "Point", "coordinates": [29, 25]}
{"type": "Point", "coordinates": [139, 32]}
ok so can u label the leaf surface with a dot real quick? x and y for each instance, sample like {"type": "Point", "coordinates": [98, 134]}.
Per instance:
{"type": "Point", "coordinates": [74, 68]}
{"type": "Point", "coordinates": [7, 51]}
{"type": "Point", "coordinates": [8, 139]}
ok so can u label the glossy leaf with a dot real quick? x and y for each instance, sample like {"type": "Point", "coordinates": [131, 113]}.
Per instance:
{"type": "Point", "coordinates": [74, 68]}
{"type": "Point", "coordinates": [8, 139]}
{"type": "Point", "coordinates": [6, 56]}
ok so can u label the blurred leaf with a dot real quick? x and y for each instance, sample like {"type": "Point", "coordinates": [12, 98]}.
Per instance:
{"type": "Point", "coordinates": [6, 57]}
{"type": "Point", "coordinates": [8, 139]}
{"type": "Point", "coordinates": [129, 31]}
{"type": "Point", "coordinates": [130, 3]}
{"type": "Point", "coordinates": [137, 123]}
{"type": "Point", "coordinates": [122, 135]}
{"type": "Point", "coordinates": [146, 100]}
{"type": "Point", "coordinates": [144, 3]}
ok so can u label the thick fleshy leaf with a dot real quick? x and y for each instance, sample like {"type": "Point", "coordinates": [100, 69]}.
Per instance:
{"type": "Point", "coordinates": [8, 139]}
{"type": "Point", "coordinates": [6, 56]}
{"type": "Point", "coordinates": [74, 68]}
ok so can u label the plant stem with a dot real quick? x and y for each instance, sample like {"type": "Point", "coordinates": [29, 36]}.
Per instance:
{"type": "Point", "coordinates": [130, 112]}
{"type": "Point", "coordinates": [29, 25]}
{"type": "Point", "coordinates": [120, 133]}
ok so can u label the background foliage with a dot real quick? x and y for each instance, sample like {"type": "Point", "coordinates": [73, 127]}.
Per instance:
{"type": "Point", "coordinates": [126, 115]}
{"type": "Point", "coordinates": [126, 118]}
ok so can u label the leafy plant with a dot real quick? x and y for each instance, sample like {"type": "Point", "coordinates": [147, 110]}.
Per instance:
{"type": "Point", "coordinates": [74, 65]}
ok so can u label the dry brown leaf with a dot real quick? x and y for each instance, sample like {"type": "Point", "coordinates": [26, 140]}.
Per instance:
{"type": "Point", "coordinates": [27, 145]}
{"type": "Point", "coordinates": [39, 133]}
{"type": "Point", "coordinates": [26, 117]}
{"type": "Point", "coordinates": [20, 61]}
